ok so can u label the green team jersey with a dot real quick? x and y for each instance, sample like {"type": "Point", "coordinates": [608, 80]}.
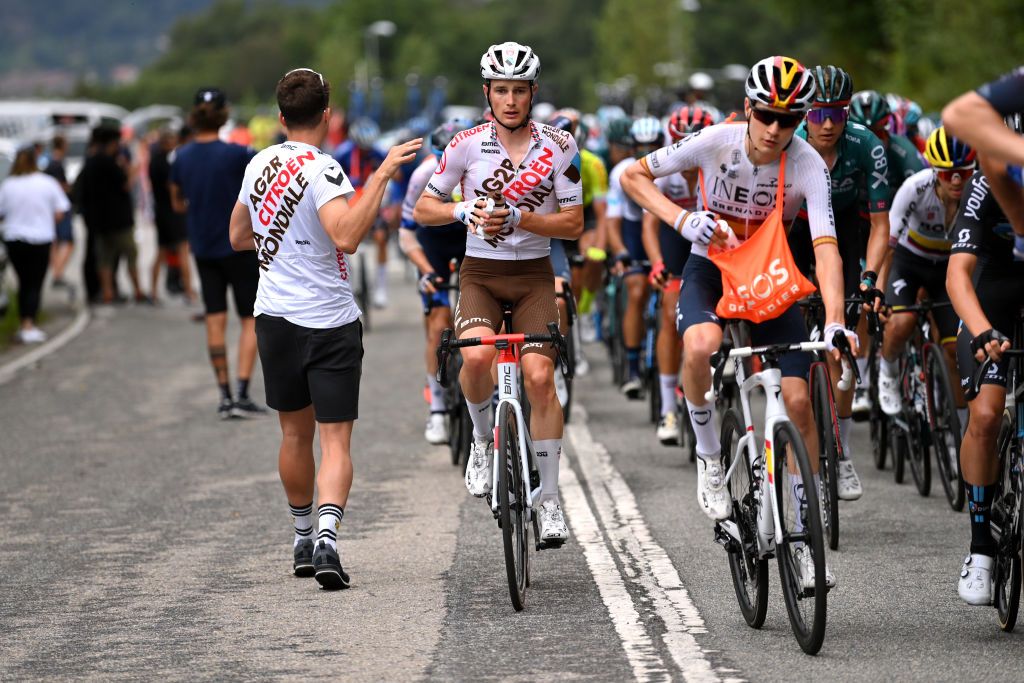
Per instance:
{"type": "Point", "coordinates": [904, 160]}
{"type": "Point", "coordinates": [861, 171]}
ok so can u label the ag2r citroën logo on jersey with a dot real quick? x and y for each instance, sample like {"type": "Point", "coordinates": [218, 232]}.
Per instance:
{"type": "Point", "coordinates": [274, 191]}
{"type": "Point", "coordinates": [528, 192]}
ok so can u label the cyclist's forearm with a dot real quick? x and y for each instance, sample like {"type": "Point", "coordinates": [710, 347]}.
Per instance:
{"type": "Point", "coordinates": [614, 227]}
{"type": "Point", "coordinates": [878, 242]}
{"type": "Point", "coordinates": [972, 119]}
{"type": "Point", "coordinates": [566, 224]}
{"type": "Point", "coordinates": [830, 281]}
{"type": "Point", "coordinates": [430, 210]}
{"type": "Point", "coordinates": [352, 226]}
{"type": "Point", "coordinates": [240, 231]}
{"type": "Point", "coordinates": [960, 287]}
{"type": "Point", "coordinates": [1006, 192]}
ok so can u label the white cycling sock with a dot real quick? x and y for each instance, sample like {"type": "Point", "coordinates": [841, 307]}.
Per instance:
{"type": "Point", "coordinates": [890, 368]}
{"type": "Point", "coordinates": [865, 376]}
{"type": "Point", "coordinates": [668, 393]}
{"type": "Point", "coordinates": [482, 415]}
{"type": "Point", "coordinates": [703, 419]}
{"type": "Point", "coordinates": [382, 277]}
{"type": "Point", "coordinates": [330, 522]}
{"type": "Point", "coordinates": [436, 394]}
{"type": "Point", "coordinates": [549, 453]}
{"type": "Point", "coordinates": [302, 520]}
{"type": "Point", "coordinates": [845, 423]}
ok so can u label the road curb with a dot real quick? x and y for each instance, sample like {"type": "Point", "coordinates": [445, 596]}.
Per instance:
{"type": "Point", "coordinates": [10, 369]}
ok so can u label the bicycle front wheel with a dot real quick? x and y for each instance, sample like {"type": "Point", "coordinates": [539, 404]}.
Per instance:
{"type": "Point", "coordinates": [1008, 520]}
{"type": "Point", "coordinates": [829, 447]}
{"type": "Point", "coordinates": [512, 513]}
{"type": "Point", "coordinates": [749, 571]}
{"type": "Point", "coordinates": [919, 453]}
{"type": "Point", "coordinates": [944, 425]}
{"type": "Point", "coordinates": [879, 422]}
{"type": "Point", "coordinates": [801, 549]}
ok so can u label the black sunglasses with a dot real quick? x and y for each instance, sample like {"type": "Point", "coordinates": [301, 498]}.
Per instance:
{"type": "Point", "coordinates": [768, 117]}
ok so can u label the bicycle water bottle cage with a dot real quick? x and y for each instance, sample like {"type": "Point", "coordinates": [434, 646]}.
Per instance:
{"type": "Point", "coordinates": [443, 351]}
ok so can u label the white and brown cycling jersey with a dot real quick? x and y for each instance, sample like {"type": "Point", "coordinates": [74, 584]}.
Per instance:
{"type": "Point", "coordinates": [744, 194]}
{"type": "Point", "coordinates": [548, 178]}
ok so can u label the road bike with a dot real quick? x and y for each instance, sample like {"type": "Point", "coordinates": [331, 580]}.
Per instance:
{"type": "Point", "coordinates": [516, 481]}
{"type": "Point", "coordinates": [771, 513]}
{"type": "Point", "coordinates": [572, 347]}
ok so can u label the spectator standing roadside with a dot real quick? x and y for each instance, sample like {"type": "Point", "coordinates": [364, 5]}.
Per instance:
{"type": "Point", "coordinates": [65, 241]}
{"type": "Point", "coordinates": [310, 337]}
{"type": "Point", "coordinates": [206, 175]}
{"type": "Point", "coordinates": [171, 236]}
{"type": "Point", "coordinates": [31, 204]}
{"type": "Point", "coordinates": [104, 193]}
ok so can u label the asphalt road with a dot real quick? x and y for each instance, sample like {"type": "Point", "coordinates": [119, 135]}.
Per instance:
{"type": "Point", "coordinates": [142, 537]}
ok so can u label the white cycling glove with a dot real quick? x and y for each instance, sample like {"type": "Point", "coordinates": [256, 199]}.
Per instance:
{"type": "Point", "coordinates": [696, 226]}
{"type": "Point", "coordinates": [830, 333]}
{"type": "Point", "coordinates": [463, 212]}
{"type": "Point", "coordinates": [514, 216]}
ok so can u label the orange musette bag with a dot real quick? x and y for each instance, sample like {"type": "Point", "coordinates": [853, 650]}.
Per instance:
{"type": "Point", "coordinates": [760, 280]}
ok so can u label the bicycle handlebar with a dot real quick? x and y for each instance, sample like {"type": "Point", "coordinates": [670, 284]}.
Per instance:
{"type": "Point", "coordinates": [726, 351]}
{"type": "Point", "coordinates": [501, 341]}
{"type": "Point", "coordinates": [979, 374]}
{"type": "Point", "coordinates": [815, 300]}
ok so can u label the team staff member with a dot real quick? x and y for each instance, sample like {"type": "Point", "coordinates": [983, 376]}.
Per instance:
{"type": "Point", "coordinates": [293, 210]}
{"type": "Point", "coordinates": [205, 177]}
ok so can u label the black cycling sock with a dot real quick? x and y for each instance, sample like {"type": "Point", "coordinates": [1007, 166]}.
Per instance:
{"type": "Point", "coordinates": [980, 509]}
{"type": "Point", "coordinates": [225, 391]}
{"type": "Point", "coordinates": [633, 360]}
{"type": "Point", "coordinates": [243, 388]}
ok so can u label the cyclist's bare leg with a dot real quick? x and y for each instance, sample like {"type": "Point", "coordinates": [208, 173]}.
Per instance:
{"type": "Point", "coordinates": [633, 318]}
{"type": "Point", "coordinates": [897, 330]}
{"type": "Point", "coordinates": [592, 270]}
{"type": "Point", "coordinates": [247, 348]}
{"type": "Point", "coordinates": [295, 462]}
{"type": "Point", "coordinates": [700, 341]}
{"type": "Point", "coordinates": [563, 314]}
{"type": "Point", "coordinates": [958, 392]}
{"type": "Point", "coordinates": [669, 358]}
{"type": "Point", "coordinates": [434, 323]}
{"type": "Point", "coordinates": [978, 460]}
{"type": "Point", "coordinates": [798, 407]}
{"type": "Point", "coordinates": [216, 326]}
{"type": "Point", "coordinates": [334, 480]}
{"type": "Point", "coordinates": [476, 379]}
{"type": "Point", "coordinates": [545, 411]}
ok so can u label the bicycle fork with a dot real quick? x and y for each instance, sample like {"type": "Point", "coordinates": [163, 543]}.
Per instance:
{"type": "Point", "coordinates": [508, 392]}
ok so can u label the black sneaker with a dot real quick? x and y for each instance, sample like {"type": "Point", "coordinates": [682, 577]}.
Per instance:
{"type": "Point", "coordinates": [245, 407]}
{"type": "Point", "coordinates": [225, 410]}
{"type": "Point", "coordinates": [303, 565]}
{"type": "Point", "coordinates": [327, 567]}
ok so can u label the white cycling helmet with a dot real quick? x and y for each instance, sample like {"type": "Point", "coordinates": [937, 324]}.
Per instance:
{"type": "Point", "coordinates": [510, 62]}
{"type": "Point", "coordinates": [701, 81]}
{"type": "Point", "coordinates": [781, 83]}
{"type": "Point", "coordinates": [647, 130]}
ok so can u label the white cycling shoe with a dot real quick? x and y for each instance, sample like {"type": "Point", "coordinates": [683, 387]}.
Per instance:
{"type": "Point", "coordinates": [712, 493]}
{"type": "Point", "coordinates": [668, 430]}
{"type": "Point", "coordinates": [861, 401]}
{"type": "Point", "coordinates": [632, 388]}
{"type": "Point", "coordinates": [849, 483]}
{"type": "Point", "coordinates": [436, 431]}
{"type": "Point", "coordinates": [975, 585]}
{"type": "Point", "coordinates": [553, 531]}
{"type": "Point", "coordinates": [805, 565]}
{"type": "Point", "coordinates": [478, 469]}
{"type": "Point", "coordinates": [889, 394]}
{"type": "Point", "coordinates": [588, 328]}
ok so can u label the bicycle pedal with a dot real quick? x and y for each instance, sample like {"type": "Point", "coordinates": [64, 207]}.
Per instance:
{"type": "Point", "coordinates": [723, 538]}
{"type": "Point", "coordinates": [550, 545]}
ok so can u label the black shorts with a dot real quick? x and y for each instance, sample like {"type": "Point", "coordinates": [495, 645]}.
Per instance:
{"type": "Point", "coordinates": [1000, 291]}
{"type": "Point", "coordinates": [699, 295]}
{"type": "Point", "coordinates": [850, 238]}
{"type": "Point", "coordinates": [909, 273]}
{"type": "Point", "coordinates": [302, 365]}
{"type": "Point", "coordinates": [170, 229]}
{"type": "Point", "coordinates": [675, 249]}
{"type": "Point", "coordinates": [240, 271]}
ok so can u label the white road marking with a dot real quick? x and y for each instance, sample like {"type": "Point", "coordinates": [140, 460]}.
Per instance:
{"type": "Point", "coordinates": [9, 370]}
{"type": "Point", "coordinates": [646, 564]}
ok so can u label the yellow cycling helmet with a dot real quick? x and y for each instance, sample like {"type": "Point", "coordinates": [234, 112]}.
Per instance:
{"type": "Point", "coordinates": [945, 151]}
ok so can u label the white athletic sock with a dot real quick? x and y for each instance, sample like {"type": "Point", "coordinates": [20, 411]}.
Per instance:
{"type": "Point", "coordinates": [302, 520]}
{"type": "Point", "coordinates": [668, 393]}
{"type": "Point", "coordinates": [865, 376]}
{"type": "Point", "coordinates": [482, 415]}
{"type": "Point", "coordinates": [436, 394]}
{"type": "Point", "coordinates": [549, 452]}
{"type": "Point", "coordinates": [890, 368]}
{"type": "Point", "coordinates": [703, 419]}
{"type": "Point", "coordinates": [845, 423]}
{"type": "Point", "coordinates": [330, 522]}
{"type": "Point", "coordinates": [382, 277]}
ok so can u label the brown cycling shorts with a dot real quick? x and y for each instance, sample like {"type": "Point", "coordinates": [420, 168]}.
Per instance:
{"type": "Point", "coordinates": [484, 284]}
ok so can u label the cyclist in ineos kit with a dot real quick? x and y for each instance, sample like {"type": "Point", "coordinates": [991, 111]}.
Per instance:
{"type": "Point", "coordinates": [740, 164]}
{"type": "Point", "coordinates": [293, 210]}
{"type": "Point", "coordinates": [536, 169]}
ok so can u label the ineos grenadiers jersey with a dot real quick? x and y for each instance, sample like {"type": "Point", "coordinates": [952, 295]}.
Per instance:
{"type": "Point", "coordinates": [981, 228]}
{"type": "Point", "coordinates": [861, 164]}
{"type": "Point", "coordinates": [917, 219]}
{"type": "Point", "coordinates": [744, 194]}
{"type": "Point", "coordinates": [304, 278]}
{"type": "Point", "coordinates": [547, 179]}
{"type": "Point", "coordinates": [1006, 95]}
{"type": "Point", "coordinates": [620, 204]}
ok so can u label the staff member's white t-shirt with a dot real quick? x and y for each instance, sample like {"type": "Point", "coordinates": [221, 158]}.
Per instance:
{"type": "Point", "coordinates": [304, 278]}
{"type": "Point", "coordinates": [28, 204]}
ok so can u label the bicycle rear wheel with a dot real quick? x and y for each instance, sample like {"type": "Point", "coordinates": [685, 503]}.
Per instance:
{"type": "Point", "coordinates": [898, 438]}
{"type": "Point", "coordinates": [879, 421]}
{"type": "Point", "coordinates": [944, 425]}
{"type": "Point", "coordinates": [919, 452]}
{"type": "Point", "coordinates": [1007, 514]}
{"type": "Point", "coordinates": [800, 519]}
{"type": "Point", "coordinates": [687, 439]}
{"type": "Point", "coordinates": [829, 448]}
{"type": "Point", "coordinates": [512, 513]}
{"type": "Point", "coordinates": [749, 571]}
{"type": "Point", "coordinates": [456, 405]}
{"type": "Point", "coordinates": [571, 354]}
